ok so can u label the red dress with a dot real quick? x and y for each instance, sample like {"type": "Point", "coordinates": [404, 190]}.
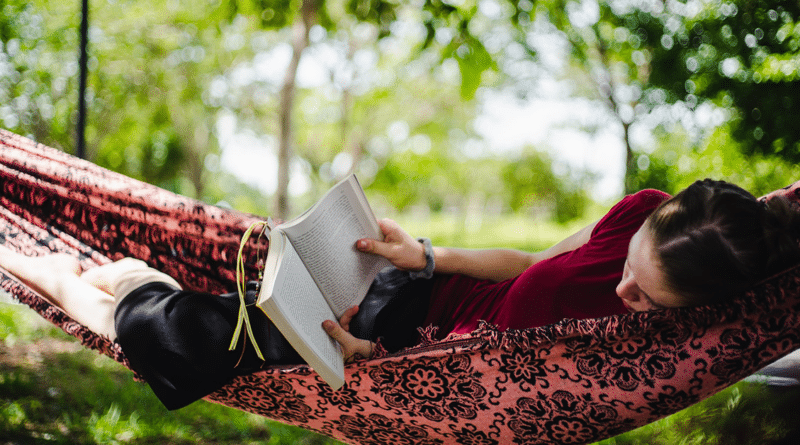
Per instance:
{"type": "Point", "coordinates": [577, 284]}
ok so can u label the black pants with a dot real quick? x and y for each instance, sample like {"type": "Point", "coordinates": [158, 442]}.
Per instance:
{"type": "Point", "coordinates": [177, 340]}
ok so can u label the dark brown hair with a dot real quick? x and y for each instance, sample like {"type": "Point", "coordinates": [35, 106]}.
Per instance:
{"type": "Point", "coordinates": [715, 240]}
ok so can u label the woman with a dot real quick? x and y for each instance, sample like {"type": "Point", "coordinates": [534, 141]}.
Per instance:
{"type": "Point", "coordinates": [710, 242]}
{"type": "Point", "coordinates": [649, 252]}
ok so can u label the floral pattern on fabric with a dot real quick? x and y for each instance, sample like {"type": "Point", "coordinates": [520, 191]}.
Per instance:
{"type": "Point", "coordinates": [377, 429]}
{"type": "Point", "coordinates": [562, 418]}
{"type": "Point", "coordinates": [627, 363]}
{"type": "Point", "coordinates": [577, 381]}
{"type": "Point", "coordinates": [436, 389]}
{"type": "Point", "coordinates": [273, 398]}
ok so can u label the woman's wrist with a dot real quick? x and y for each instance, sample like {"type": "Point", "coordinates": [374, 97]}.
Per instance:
{"type": "Point", "coordinates": [430, 265]}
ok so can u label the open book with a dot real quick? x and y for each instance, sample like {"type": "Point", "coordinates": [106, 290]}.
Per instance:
{"type": "Point", "coordinates": [314, 273]}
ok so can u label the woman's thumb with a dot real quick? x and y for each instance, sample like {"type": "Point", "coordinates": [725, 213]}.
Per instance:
{"type": "Point", "coordinates": [365, 245]}
{"type": "Point", "coordinates": [371, 246]}
{"type": "Point", "coordinates": [333, 329]}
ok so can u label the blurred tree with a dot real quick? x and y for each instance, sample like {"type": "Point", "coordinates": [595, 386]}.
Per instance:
{"type": "Point", "coordinates": [153, 110]}
{"type": "Point", "coordinates": [439, 181]}
{"type": "Point", "coordinates": [37, 73]}
{"type": "Point", "coordinates": [623, 72]}
{"type": "Point", "coordinates": [609, 63]}
{"type": "Point", "coordinates": [405, 108]}
{"type": "Point", "coordinates": [459, 43]}
{"type": "Point", "coordinates": [357, 106]}
{"type": "Point", "coordinates": [736, 54]}
{"type": "Point", "coordinates": [641, 56]}
{"type": "Point", "coordinates": [534, 187]}
{"type": "Point", "coordinates": [277, 14]}
{"type": "Point", "coordinates": [530, 180]}
{"type": "Point", "coordinates": [676, 162]}
{"type": "Point", "coordinates": [150, 113]}
{"type": "Point", "coordinates": [162, 74]}
{"type": "Point", "coordinates": [456, 30]}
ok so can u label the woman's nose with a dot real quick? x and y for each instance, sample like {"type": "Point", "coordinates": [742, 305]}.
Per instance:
{"type": "Point", "coordinates": [626, 289]}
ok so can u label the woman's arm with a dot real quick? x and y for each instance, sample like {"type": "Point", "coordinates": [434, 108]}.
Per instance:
{"type": "Point", "coordinates": [406, 253]}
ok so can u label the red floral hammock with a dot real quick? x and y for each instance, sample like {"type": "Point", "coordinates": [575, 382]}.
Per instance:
{"type": "Point", "coordinates": [577, 381]}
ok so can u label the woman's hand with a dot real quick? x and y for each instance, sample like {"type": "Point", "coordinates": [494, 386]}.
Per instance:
{"type": "Point", "coordinates": [400, 248]}
{"type": "Point", "coordinates": [351, 346]}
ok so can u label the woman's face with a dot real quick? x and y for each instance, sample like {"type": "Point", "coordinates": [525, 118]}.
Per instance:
{"type": "Point", "coordinates": [643, 286]}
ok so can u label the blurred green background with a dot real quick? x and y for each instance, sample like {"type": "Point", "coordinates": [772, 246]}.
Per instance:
{"type": "Point", "coordinates": [460, 107]}
{"type": "Point", "coordinates": [475, 122]}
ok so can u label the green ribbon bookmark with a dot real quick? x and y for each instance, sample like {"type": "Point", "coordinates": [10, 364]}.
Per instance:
{"type": "Point", "coordinates": [244, 319]}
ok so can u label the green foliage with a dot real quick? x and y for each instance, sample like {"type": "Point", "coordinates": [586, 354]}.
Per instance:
{"type": "Point", "coordinates": [677, 162]}
{"type": "Point", "coordinates": [651, 172]}
{"type": "Point", "coordinates": [533, 186]}
{"type": "Point", "coordinates": [378, 12]}
{"type": "Point", "coordinates": [163, 73]}
{"type": "Point", "coordinates": [639, 57]}
{"type": "Point", "coordinates": [149, 113]}
{"type": "Point", "coordinates": [110, 428]}
{"type": "Point", "coordinates": [270, 13]}
{"type": "Point", "coordinates": [531, 180]}
{"type": "Point", "coordinates": [464, 46]}
{"type": "Point", "coordinates": [473, 59]}
{"type": "Point", "coordinates": [737, 54]}
{"type": "Point", "coordinates": [442, 183]}
{"type": "Point", "coordinates": [409, 179]}
{"type": "Point", "coordinates": [35, 82]}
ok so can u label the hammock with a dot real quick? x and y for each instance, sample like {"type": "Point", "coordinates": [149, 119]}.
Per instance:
{"type": "Point", "coordinates": [577, 381]}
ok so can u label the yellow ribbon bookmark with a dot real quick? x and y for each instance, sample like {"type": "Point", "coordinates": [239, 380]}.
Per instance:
{"type": "Point", "coordinates": [244, 319]}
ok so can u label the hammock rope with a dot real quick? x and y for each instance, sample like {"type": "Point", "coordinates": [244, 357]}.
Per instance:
{"type": "Point", "coordinates": [577, 381]}
{"type": "Point", "coordinates": [83, 74]}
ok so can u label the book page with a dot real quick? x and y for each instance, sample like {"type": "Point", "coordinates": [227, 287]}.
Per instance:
{"type": "Point", "coordinates": [325, 239]}
{"type": "Point", "coordinates": [298, 309]}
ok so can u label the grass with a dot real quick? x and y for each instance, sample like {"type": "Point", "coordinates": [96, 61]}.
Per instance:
{"type": "Point", "coordinates": [514, 231]}
{"type": "Point", "coordinates": [53, 391]}
{"type": "Point", "coordinates": [744, 414]}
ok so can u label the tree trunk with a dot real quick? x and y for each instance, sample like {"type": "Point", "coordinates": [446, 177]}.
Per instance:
{"type": "Point", "coordinates": [300, 42]}
{"type": "Point", "coordinates": [614, 107]}
{"type": "Point", "coordinates": [350, 141]}
{"type": "Point", "coordinates": [630, 166]}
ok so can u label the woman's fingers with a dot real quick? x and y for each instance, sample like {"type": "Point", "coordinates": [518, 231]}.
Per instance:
{"type": "Point", "coordinates": [350, 345]}
{"type": "Point", "coordinates": [382, 248]}
{"type": "Point", "coordinates": [337, 332]}
{"type": "Point", "coordinates": [347, 317]}
{"type": "Point", "coordinates": [400, 248]}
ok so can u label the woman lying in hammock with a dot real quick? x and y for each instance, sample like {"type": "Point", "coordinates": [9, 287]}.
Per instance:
{"type": "Point", "coordinates": [709, 242]}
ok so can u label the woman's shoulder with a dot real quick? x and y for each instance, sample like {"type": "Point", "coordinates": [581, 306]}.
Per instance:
{"type": "Point", "coordinates": [633, 208]}
{"type": "Point", "coordinates": [647, 198]}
